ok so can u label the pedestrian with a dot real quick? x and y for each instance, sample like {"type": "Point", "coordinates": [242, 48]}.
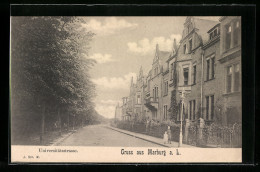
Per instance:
{"type": "Point", "coordinates": [147, 125]}
{"type": "Point", "coordinates": [165, 137]}
{"type": "Point", "coordinates": [169, 134]}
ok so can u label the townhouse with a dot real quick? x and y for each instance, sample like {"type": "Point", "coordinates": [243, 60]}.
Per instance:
{"type": "Point", "coordinates": [206, 65]}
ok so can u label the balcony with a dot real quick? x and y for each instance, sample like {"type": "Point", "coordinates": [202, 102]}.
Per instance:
{"type": "Point", "coordinates": [152, 103]}
{"type": "Point", "coordinates": [128, 110]}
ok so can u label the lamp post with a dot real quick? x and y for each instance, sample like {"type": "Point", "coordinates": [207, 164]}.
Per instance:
{"type": "Point", "coordinates": [182, 105]}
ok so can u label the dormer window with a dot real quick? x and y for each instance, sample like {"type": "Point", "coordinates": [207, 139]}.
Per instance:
{"type": "Point", "coordinates": [214, 33]}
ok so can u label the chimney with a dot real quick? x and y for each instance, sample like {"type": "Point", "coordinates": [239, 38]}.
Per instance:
{"type": "Point", "coordinates": [174, 45]}
{"type": "Point", "coordinates": [157, 47]}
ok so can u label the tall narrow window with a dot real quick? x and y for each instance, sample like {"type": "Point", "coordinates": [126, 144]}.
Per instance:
{"type": "Point", "coordinates": [236, 33]}
{"type": "Point", "coordinates": [138, 99]}
{"type": "Point", "coordinates": [190, 45]}
{"type": "Point", "coordinates": [184, 49]}
{"type": "Point", "coordinates": [194, 74]}
{"type": "Point", "coordinates": [211, 35]}
{"type": "Point", "coordinates": [194, 109]}
{"type": "Point", "coordinates": [228, 37]}
{"type": "Point", "coordinates": [216, 32]}
{"type": "Point", "coordinates": [229, 79]}
{"type": "Point", "coordinates": [212, 67]}
{"type": "Point", "coordinates": [237, 77]}
{"type": "Point", "coordinates": [207, 107]}
{"type": "Point", "coordinates": [212, 107]}
{"type": "Point", "coordinates": [186, 75]}
{"type": "Point", "coordinates": [208, 67]}
{"type": "Point", "coordinates": [165, 112]}
{"type": "Point", "coordinates": [190, 110]}
{"type": "Point", "coordinates": [166, 87]}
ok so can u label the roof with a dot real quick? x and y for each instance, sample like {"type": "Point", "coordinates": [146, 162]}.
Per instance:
{"type": "Point", "coordinates": [210, 30]}
{"type": "Point", "coordinates": [203, 27]}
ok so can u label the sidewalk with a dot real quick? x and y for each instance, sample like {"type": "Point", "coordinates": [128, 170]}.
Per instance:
{"type": "Point", "coordinates": [148, 138]}
{"type": "Point", "coordinates": [61, 138]}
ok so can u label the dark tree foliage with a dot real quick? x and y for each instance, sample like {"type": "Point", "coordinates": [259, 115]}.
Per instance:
{"type": "Point", "coordinates": [174, 109]}
{"type": "Point", "coordinates": [49, 73]}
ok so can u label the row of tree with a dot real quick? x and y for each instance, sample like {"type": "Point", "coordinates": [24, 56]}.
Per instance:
{"type": "Point", "coordinates": [50, 82]}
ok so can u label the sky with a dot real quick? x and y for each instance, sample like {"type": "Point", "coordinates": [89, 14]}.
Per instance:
{"type": "Point", "coordinates": [120, 47]}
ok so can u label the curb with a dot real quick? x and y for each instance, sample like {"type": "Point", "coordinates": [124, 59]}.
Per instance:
{"type": "Point", "coordinates": [138, 137]}
{"type": "Point", "coordinates": [62, 139]}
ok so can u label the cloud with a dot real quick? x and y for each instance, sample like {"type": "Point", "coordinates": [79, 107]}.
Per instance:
{"type": "Point", "coordinates": [107, 111]}
{"type": "Point", "coordinates": [102, 58]}
{"type": "Point", "coordinates": [109, 26]}
{"type": "Point", "coordinates": [146, 46]}
{"type": "Point", "coordinates": [106, 107]}
{"type": "Point", "coordinates": [108, 102]}
{"type": "Point", "coordinates": [115, 82]}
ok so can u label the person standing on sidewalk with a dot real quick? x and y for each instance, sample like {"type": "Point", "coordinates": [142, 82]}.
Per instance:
{"type": "Point", "coordinates": [169, 134]}
{"type": "Point", "coordinates": [146, 125]}
{"type": "Point", "coordinates": [165, 137]}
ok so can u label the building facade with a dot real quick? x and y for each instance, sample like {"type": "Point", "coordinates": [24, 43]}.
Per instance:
{"type": "Point", "coordinates": [206, 64]}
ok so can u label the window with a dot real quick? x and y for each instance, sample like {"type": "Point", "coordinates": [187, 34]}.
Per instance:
{"type": "Point", "coordinates": [138, 99]}
{"type": "Point", "coordinates": [213, 34]}
{"type": "Point", "coordinates": [155, 93]}
{"type": "Point", "coordinates": [212, 67]}
{"type": "Point", "coordinates": [165, 87]}
{"type": "Point", "coordinates": [236, 33]}
{"type": "Point", "coordinates": [208, 66]}
{"type": "Point", "coordinates": [165, 112]}
{"type": "Point", "coordinates": [207, 107]}
{"type": "Point", "coordinates": [190, 45]}
{"type": "Point", "coordinates": [210, 107]}
{"type": "Point", "coordinates": [228, 37]}
{"type": "Point", "coordinates": [194, 74]}
{"type": "Point", "coordinates": [229, 79]}
{"type": "Point", "coordinates": [186, 75]}
{"type": "Point", "coordinates": [237, 77]}
{"type": "Point", "coordinates": [184, 49]}
{"type": "Point", "coordinates": [233, 78]}
{"type": "Point", "coordinates": [192, 109]}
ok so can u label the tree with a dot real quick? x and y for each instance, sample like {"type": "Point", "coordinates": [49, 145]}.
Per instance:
{"type": "Point", "coordinates": [174, 109]}
{"type": "Point", "coordinates": [49, 71]}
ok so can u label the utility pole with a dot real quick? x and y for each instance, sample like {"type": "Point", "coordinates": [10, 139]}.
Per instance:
{"type": "Point", "coordinates": [183, 94]}
{"type": "Point", "coordinates": [182, 104]}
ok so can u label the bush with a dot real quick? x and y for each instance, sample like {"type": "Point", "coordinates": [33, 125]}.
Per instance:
{"type": "Point", "coordinates": [156, 129]}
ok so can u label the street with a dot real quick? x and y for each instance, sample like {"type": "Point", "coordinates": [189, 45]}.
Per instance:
{"type": "Point", "coordinates": [98, 135]}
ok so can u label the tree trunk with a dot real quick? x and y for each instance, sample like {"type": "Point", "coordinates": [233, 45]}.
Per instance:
{"type": "Point", "coordinates": [42, 124]}
{"type": "Point", "coordinates": [68, 122]}
{"type": "Point", "coordinates": [59, 121]}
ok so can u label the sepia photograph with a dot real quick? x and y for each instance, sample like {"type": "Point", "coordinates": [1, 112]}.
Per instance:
{"type": "Point", "coordinates": [125, 89]}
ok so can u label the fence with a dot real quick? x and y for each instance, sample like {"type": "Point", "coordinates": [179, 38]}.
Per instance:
{"type": "Point", "coordinates": [215, 136]}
